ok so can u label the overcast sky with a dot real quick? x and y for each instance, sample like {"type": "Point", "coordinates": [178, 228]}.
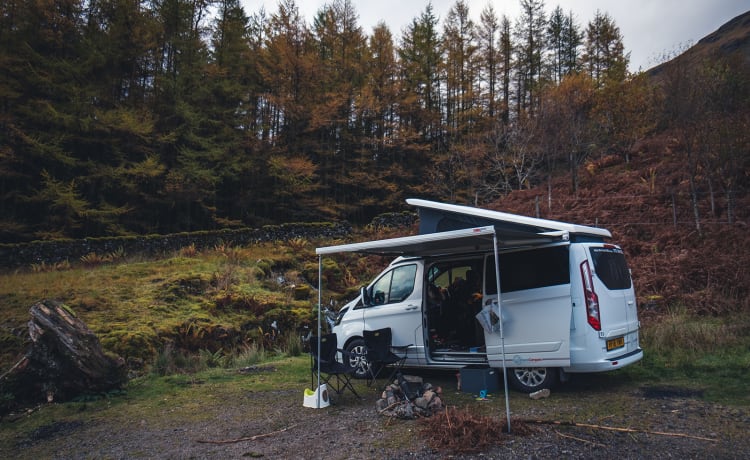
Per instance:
{"type": "Point", "coordinates": [650, 28]}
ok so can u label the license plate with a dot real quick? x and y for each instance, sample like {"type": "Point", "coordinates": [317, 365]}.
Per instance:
{"type": "Point", "coordinates": [615, 343]}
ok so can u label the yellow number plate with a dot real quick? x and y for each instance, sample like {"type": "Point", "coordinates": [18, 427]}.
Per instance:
{"type": "Point", "coordinates": [615, 343]}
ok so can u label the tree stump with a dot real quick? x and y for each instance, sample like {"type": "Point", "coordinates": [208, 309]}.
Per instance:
{"type": "Point", "coordinates": [65, 359]}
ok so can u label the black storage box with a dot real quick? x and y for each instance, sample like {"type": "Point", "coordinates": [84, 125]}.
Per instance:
{"type": "Point", "coordinates": [476, 379]}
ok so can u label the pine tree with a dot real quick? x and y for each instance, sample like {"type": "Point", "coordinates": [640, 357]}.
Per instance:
{"type": "Point", "coordinates": [289, 67]}
{"type": "Point", "coordinates": [461, 60]}
{"type": "Point", "coordinates": [530, 38]}
{"type": "Point", "coordinates": [488, 37]}
{"type": "Point", "coordinates": [45, 113]}
{"type": "Point", "coordinates": [287, 71]}
{"type": "Point", "coordinates": [605, 59]}
{"type": "Point", "coordinates": [506, 70]}
{"type": "Point", "coordinates": [563, 41]}
{"type": "Point", "coordinates": [421, 81]}
{"type": "Point", "coordinates": [380, 95]}
{"type": "Point", "coordinates": [341, 47]}
{"type": "Point", "coordinates": [227, 92]}
{"type": "Point", "coordinates": [191, 180]}
{"type": "Point", "coordinates": [572, 39]}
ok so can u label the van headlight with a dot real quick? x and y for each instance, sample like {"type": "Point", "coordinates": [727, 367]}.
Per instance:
{"type": "Point", "coordinates": [340, 315]}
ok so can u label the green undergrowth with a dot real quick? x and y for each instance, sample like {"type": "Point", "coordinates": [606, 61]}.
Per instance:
{"type": "Point", "coordinates": [221, 300]}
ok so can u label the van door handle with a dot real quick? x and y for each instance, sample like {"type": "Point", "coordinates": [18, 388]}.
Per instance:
{"type": "Point", "coordinates": [412, 307]}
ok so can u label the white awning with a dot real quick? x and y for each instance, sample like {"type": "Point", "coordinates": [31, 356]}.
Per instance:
{"type": "Point", "coordinates": [478, 239]}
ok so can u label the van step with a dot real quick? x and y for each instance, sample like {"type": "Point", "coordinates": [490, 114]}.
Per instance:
{"type": "Point", "coordinates": [459, 356]}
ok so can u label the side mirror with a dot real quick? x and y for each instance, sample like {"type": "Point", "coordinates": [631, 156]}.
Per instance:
{"type": "Point", "coordinates": [366, 297]}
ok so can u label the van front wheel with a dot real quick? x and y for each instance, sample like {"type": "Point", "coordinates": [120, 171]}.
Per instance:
{"type": "Point", "coordinates": [531, 379]}
{"type": "Point", "coordinates": [357, 358]}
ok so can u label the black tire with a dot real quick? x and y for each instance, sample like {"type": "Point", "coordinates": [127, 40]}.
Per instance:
{"type": "Point", "coordinates": [531, 379]}
{"type": "Point", "coordinates": [356, 358]}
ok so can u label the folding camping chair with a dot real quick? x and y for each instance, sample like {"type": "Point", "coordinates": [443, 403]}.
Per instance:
{"type": "Point", "coordinates": [380, 353]}
{"type": "Point", "coordinates": [330, 367]}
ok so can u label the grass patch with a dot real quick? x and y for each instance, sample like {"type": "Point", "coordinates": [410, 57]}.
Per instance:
{"type": "Point", "coordinates": [197, 396]}
{"type": "Point", "coordinates": [711, 355]}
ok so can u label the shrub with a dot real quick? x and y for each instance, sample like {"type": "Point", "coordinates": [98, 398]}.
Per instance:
{"type": "Point", "coordinates": [263, 268]}
{"type": "Point", "coordinates": [188, 251]}
{"type": "Point", "coordinates": [249, 355]}
{"type": "Point", "coordinates": [292, 345]}
{"type": "Point", "coordinates": [298, 245]}
{"type": "Point", "coordinates": [93, 259]}
{"type": "Point", "coordinates": [168, 361]}
{"type": "Point", "coordinates": [209, 359]}
{"type": "Point", "coordinates": [302, 292]}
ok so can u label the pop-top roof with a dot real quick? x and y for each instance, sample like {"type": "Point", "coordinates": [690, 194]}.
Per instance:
{"type": "Point", "coordinates": [439, 217]}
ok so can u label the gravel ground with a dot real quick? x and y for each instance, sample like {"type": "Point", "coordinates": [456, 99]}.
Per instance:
{"type": "Point", "coordinates": [352, 429]}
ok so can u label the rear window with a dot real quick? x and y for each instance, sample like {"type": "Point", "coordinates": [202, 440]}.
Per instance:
{"type": "Point", "coordinates": [529, 269]}
{"type": "Point", "coordinates": [611, 268]}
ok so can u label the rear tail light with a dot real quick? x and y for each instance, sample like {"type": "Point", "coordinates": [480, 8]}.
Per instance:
{"type": "Point", "coordinates": [592, 300]}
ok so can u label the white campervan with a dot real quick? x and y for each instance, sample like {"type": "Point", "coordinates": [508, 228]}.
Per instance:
{"type": "Point", "coordinates": [566, 302]}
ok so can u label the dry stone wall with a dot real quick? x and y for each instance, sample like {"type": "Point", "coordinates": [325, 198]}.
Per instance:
{"type": "Point", "coordinates": [56, 251]}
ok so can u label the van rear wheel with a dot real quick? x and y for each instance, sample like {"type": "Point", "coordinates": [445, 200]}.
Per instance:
{"type": "Point", "coordinates": [531, 379]}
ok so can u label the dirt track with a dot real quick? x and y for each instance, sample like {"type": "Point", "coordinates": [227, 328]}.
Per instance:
{"type": "Point", "coordinates": [351, 428]}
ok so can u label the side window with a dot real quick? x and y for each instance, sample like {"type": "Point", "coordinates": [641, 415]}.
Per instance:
{"type": "Point", "coordinates": [395, 286]}
{"type": "Point", "coordinates": [529, 269]}
{"type": "Point", "coordinates": [403, 282]}
{"type": "Point", "coordinates": [381, 289]}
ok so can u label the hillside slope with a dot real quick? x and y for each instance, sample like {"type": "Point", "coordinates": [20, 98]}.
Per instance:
{"type": "Point", "coordinates": [646, 205]}
{"type": "Point", "coordinates": [730, 40]}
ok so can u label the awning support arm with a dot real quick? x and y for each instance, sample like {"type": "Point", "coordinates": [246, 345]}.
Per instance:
{"type": "Point", "coordinates": [502, 332]}
{"type": "Point", "coordinates": [320, 302]}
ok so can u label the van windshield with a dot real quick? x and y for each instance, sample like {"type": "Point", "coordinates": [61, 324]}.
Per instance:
{"type": "Point", "coordinates": [611, 268]}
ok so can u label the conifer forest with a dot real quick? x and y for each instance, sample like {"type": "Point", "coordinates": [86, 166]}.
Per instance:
{"type": "Point", "coordinates": [122, 117]}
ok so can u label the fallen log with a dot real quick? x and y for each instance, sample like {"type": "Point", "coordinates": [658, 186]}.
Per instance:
{"type": "Point", "coordinates": [613, 428]}
{"type": "Point", "coordinates": [64, 360]}
{"type": "Point", "coordinates": [246, 438]}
